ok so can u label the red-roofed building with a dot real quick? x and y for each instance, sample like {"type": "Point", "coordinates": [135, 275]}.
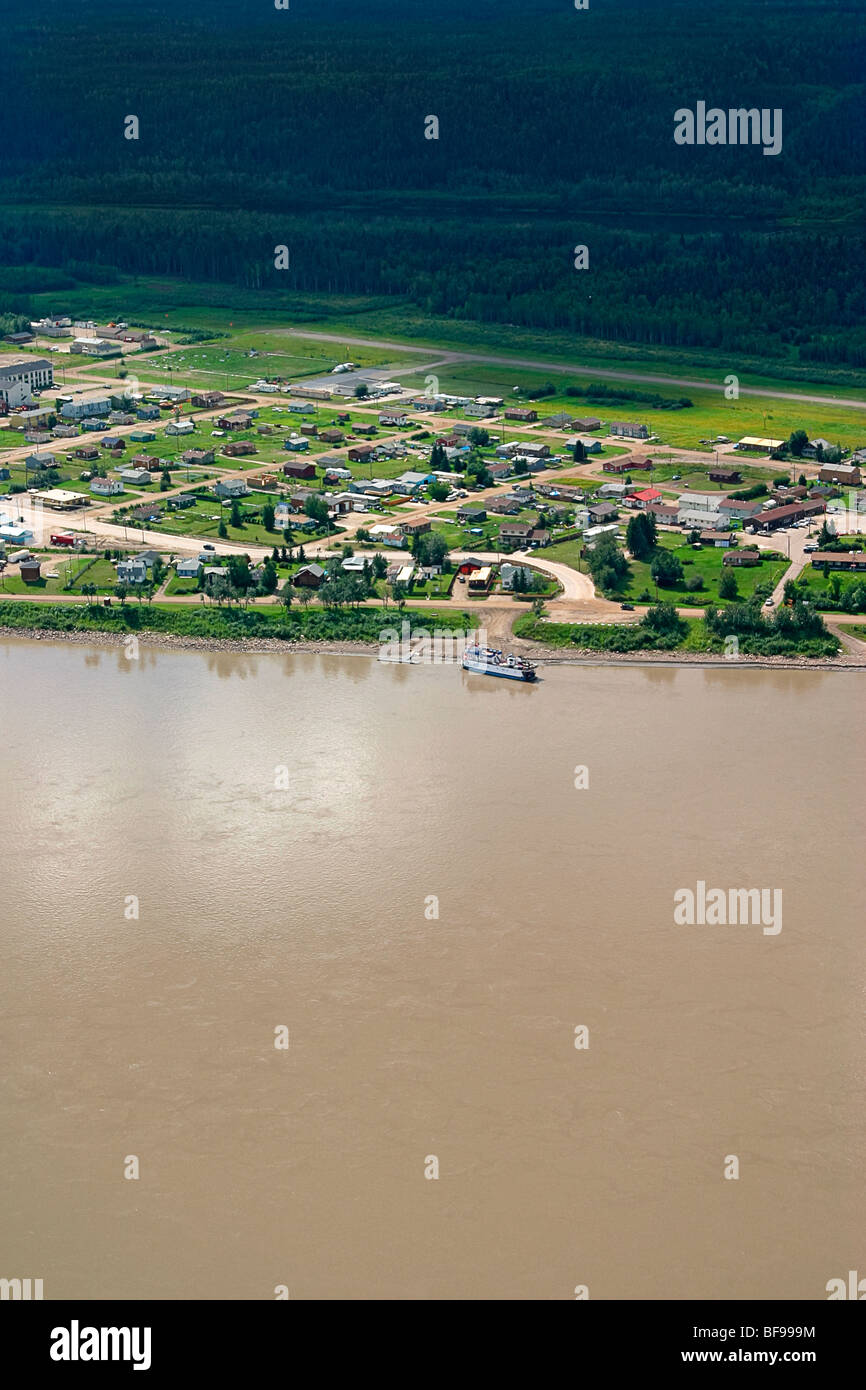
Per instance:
{"type": "Point", "coordinates": [645, 497]}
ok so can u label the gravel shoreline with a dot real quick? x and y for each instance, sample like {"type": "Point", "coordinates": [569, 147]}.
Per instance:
{"type": "Point", "coordinates": [546, 656]}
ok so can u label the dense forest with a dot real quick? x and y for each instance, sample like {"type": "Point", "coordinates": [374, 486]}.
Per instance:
{"type": "Point", "coordinates": [305, 127]}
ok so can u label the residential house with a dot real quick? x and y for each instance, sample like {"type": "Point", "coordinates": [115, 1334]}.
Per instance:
{"type": "Point", "coordinates": [296, 445]}
{"type": "Point", "coordinates": [629, 430]}
{"type": "Point", "coordinates": [645, 497]}
{"type": "Point", "coordinates": [215, 572]}
{"type": "Point", "coordinates": [230, 488]}
{"type": "Point", "coordinates": [136, 477]}
{"type": "Point", "coordinates": [533, 449]}
{"type": "Point", "coordinates": [629, 464]}
{"type": "Point", "coordinates": [508, 573]}
{"type": "Point", "coordinates": [416, 528]}
{"type": "Point", "coordinates": [471, 514]}
{"type": "Point", "coordinates": [132, 571]}
{"type": "Point", "coordinates": [361, 453]}
{"type": "Point", "coordinates": [197, 458]}
{"type": "Point", "coordinates": [602, 512]}
{"type": "Point", "coordinates": [699, 519]}
{"type": "Point", "coordinates": [747, 557]}
{"type": "Point", "coordinates": [238, 420]}
{"type": "Point", "coordinates": [720, 540]}
{"type": "Point", "coordinates": [106, 487]}
{"type": "Point", "coordinates": [239, 449]}
{"type": "Point", "coordinates": [590, 445]}
{"type": "Point", "coordinates": [522, 413]}
{"type": "Point", "coordinates": [737, 510]}
{"type": "Point", "coordinates": [299, 470]}
{"type": "Point", "coordinates": [188, 569]}
{"type": "Point", "coordinates": [388, 535]}
{"type": "Point", "coordinates": [515, 533]}
{"type": "Point", "coordinates": [309, 577]}
{"type": "Point", "coordinates": [664, 513]}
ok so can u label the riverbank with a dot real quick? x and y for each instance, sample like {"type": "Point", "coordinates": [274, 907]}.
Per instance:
{"type": "Point", "coordinates": [162, 641]}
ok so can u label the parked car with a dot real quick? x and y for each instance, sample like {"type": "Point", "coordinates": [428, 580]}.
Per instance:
{"type": "Point", "coordinates": [768, 603]}
{"type": "Point", "coordinates": [206, 545]}
{"type": "Point", "coordinates": [807, 549]}
{"type": "Point", "coordinates": [629, 607]}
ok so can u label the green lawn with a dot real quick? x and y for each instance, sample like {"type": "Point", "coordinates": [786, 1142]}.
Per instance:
{"type": "Point", "coordinates": [203, 521]}
{"type": "Point", "coordinates": [709, 415]}
{"type": "Point", "coordinates": [819, 586]}
{"type": "Point", "coordinates": [567, 553]}
{"type": "Point", "coordinates": [705, 563]}
{"type": "Point", "coordinates": [254, 317]}
{"type": "Point", "coordinates": [100, 572]}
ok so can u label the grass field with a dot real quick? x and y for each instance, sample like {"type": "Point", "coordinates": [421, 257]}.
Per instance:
{"type": "Point", "coordinates": [171, 304]}
{"type": "Point", "coordinates": [710, 415]}
{"type": "Point", "coordinates": [705, 564]}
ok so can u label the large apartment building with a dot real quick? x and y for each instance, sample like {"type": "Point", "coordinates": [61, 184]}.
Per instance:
{"type": "Point", "coordinates": [21, 376]}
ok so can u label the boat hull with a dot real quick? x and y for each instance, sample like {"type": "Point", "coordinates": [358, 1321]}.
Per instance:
{"type": "Point", "coordinates": [489, 668]}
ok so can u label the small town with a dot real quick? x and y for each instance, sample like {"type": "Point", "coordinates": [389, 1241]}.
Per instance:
{"type": "Point", "coordinates": [349, 490]}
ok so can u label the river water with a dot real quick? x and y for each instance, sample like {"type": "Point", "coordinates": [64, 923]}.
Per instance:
{"type": "Point", "coordinates": [394, 864]}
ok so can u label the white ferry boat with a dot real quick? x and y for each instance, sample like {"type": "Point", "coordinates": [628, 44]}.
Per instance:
{"type": "Point", "coordinates": [486, 661]}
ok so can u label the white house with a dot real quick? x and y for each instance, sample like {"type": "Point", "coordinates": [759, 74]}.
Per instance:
{"type": "Point", "coordinates": [509, 572]}
{"type": "Point", "coordinates": [230, 487]}
{"type": "Point", "coordinates": [387, 535]}
{"type": "Point", "coordinates": [132, 571]}
{"type": "Point", "coordinates": [106, 487]}
{"type": "Point", "coordinates": [81, 407]}
{"type": "Point", "coordinates": [693, 518]}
